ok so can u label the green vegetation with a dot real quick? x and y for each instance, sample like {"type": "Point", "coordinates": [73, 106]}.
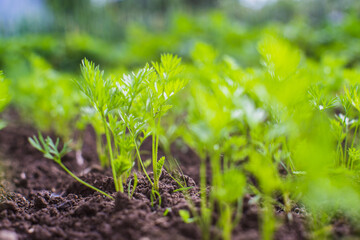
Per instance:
{"type": "Point", "coordinates": [50, 151]}
{"type": "Point", "coordinates": [4, 96]}
{"type": "Point", "coordinates": [130, 109]}
{"type": "Point", "coordinates": [273, 110]}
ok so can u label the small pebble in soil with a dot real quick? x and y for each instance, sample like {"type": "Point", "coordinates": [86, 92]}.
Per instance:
{"type": "Point", "coordinates": [144, 238]}
{"type": "Point", "coordinates": [8, 235]}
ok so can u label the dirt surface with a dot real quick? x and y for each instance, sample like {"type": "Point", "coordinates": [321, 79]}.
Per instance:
{"type": "Point", "coordinates": [43, 202]}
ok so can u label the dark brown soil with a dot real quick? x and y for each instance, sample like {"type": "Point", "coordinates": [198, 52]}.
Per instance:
{"type": "Point", "coordinates": [43, 202]}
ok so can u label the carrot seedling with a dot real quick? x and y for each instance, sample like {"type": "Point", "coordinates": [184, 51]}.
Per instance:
{"type": "Point", "coordinates": [50, 151]}
{"type": "Point", "coordinates": [165, 85]}
{"type": "Point", "coordinates": [130, 109]}
{"type": "Point", "coordinates": [104, 97]}
{"type": "Point", "coordinates": [185, 216]}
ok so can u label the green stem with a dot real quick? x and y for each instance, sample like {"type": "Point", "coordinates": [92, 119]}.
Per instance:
{"type": "Point", "coordinates": [351, 160]}
{"type": "Point", "coordinates": [216, 174]}
{"type": "Point", "coordinates": [338, 154]}
{"type": "Point", "coordinates": [139, 157]}
{"type": "Point", "coordinates": [155, 140]}
{"type": "Point", "coordinates": [120, 183]}
{"type": "Point", "coordinates": [203, 201]}
{"type": "Point", "coordinates": [100, 151]}
{"type": "Point", "coordinates": [268, 221]}
{"type": "Point", "coordinates": [137, 150]}
{"type": "Point", "coordinates": [83, 182]}
{"type": "Point", "coordinates": [227, 225]}
{"type": "Point", "coordinates": [154, 161]}
{"type": "Point", "coordinates": [108, 139]}
{"type": "Point", "coordinates": [286, 149]}
{"type": "Point", "coordinates": [203, 184]}
{"type": "Point", "coordinates": [353, 140]}
{"type": "Point", "coordinates": [345, 162]}
{"type": "Point", "coordinates": [345, 150]}
{"type": "Point", "coordinates": [238, 212]}
{"type": "Point", "coordinates": [341, 155]}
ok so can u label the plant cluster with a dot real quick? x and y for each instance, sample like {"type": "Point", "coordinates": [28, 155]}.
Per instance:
{"type": "Point", "coordinates": [51, 151]}
{"type": "Point", "coordinates": [248, 123]}
{"type": "Point", "coordinates": [253, 122]}
{"type": "Point", "coordinates": [129, 109]}
{"type": "Point", "coordinates": [46, 98]}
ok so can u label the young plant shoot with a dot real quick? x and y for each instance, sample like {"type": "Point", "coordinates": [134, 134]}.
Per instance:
{"type": "Point", "coordinates": [50, 151]}
{"type": "Point", "coordinates": [130, 109]}
{"type": "Point", "coordinates": [164, 85]}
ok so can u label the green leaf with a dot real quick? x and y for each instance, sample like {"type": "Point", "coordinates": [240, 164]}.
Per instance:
{"type": "Point", "coordinates": [134, 185]}
{"type": "Point", "coordinates": [147, 163]}
{"type": "Point", "coordinates": [102, 92]}
{"type": "Point", "coordinates": [163, 110]}
{"type": "Point", "coordinates": [185, 216]}
{"type": "Point", "coordinates": [280, 58]}
{"type": "Point", "coordinates": [35, 143]}
{"type": "Point", "coordinates": [182, 189]}
{"type": "Point", "coordinates": [122, 164]}
{"type": "Point", "coordinates": [49, 148]}
{"type": "Point", "coordinates": [167, 211]}
{"type": "Point", "coordinates": [160, 165]}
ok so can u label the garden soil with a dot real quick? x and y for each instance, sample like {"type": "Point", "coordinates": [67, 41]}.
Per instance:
{"type": "Point", "coordinates": [40, 201]}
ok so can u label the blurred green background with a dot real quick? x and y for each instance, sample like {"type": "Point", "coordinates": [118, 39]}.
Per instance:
{"type": "Point", "coordinates": [46, 39]}
{"type": "Point", "coordinates": [110, 31]}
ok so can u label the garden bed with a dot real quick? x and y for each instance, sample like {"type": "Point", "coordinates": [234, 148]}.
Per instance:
{"type": "Point", "coordinates": [43, 202]}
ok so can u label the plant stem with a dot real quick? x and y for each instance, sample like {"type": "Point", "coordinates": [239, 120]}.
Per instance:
{"type": "Point", "coordinates": [100, 151]}
{"type": "Point", "coordinates": [155, 140]}
{"type": "Point", "coordinates": [226, 215]}
{"type": "Point", "coordinates": [268, 221]}
{"type": "Point", "coordinates": [353, 140]}
{"type": "Point", "coordinates": [120, 184]}
{"type": "Point", "coordinates": [154, 161]}
{"type": "Point", "coordinates": [83, 182]}
{"type": "Point", "coordinates": [137, 150]}
{"type": "Point", "coordinates": [351, 160]}
{"type": "Point", "coordinates": [338, 154]}
{"type": "Point", "coordinates": [108, 139]}
{"type": "Point", "coordinates": [345, 162]}
{"type": "Point", "coordinates": [203, 198]}
{"type": "Point", "coordinates": [139, 157]}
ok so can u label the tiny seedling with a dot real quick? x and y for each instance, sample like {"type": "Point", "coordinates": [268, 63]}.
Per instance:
{"type": "Point", "coordinates": [167, 211]}
{"type": "Point", "coordinates": [50, 151]}
{"type": "Point", "coordinates": [165, 85]}
{"type": "Point", "coordinates": [185, 216]}
{"type": "Point", "coordinates": [131, 192]}
{"type": "Point", "coordinates": [4, 96]}
{"type": "Point", "coordinates": [130, 109]}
